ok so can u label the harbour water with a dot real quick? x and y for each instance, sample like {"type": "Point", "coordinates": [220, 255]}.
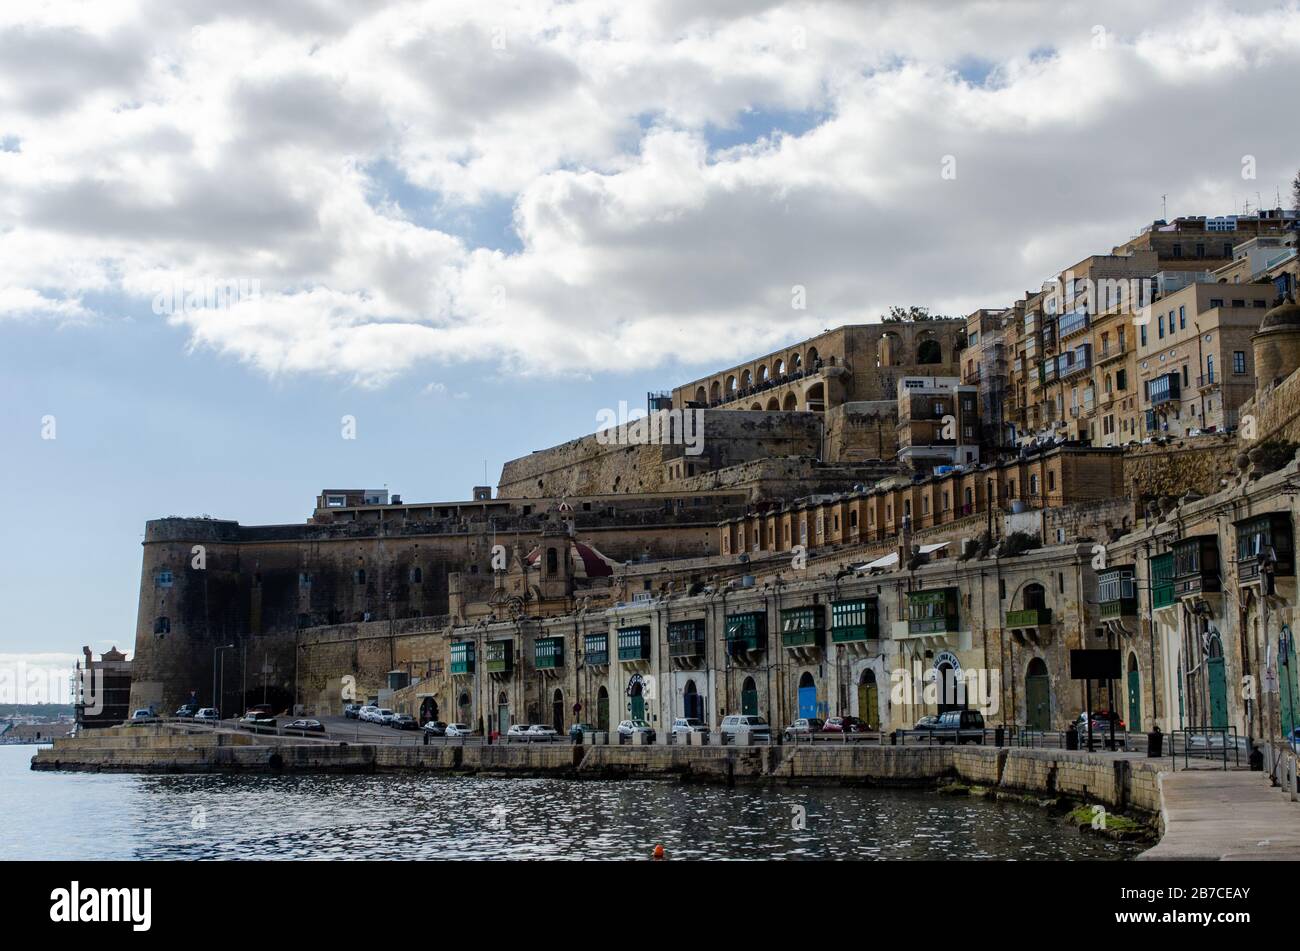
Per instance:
{"type": "Point", "coordinates": [55, 815]}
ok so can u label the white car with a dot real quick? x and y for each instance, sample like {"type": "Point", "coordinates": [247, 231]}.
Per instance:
{"type": "Point", "coordinates": [539, 732]}
{"type": "Point", "coordinates": [458, 729]}
{"type": "Point", "coordinates": [383, 716]}
{"type": "Point", "coordinates": [208, 713]}
{"type": "Point", "coordinates": [685, 725]}
{"type": "Point", "coordinates": [144, 715]}
{"type": "Point", "coordinates": [517, 730]}
{"type": "Point", "coordinates": [367, 713]}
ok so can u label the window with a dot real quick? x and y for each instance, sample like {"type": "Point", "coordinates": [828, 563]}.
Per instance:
{"type": "Point", "coordinates": [1216, 301]}
{"type": "Point", "coordinates": [1239, 361]}
{"type": "Point", "coordinates": [164, 578]}
{"type": "Point", "coordinates": [162, 625]}
{"type": "Point", "coordinates": [1143, 333]}
{"type": "Point", "coordinates": [1209, 367]}
{"type": "Point", "coordinates": [359, 576]}
{"type": "Point", "coordinates": [1051, 482]}
{"type": "Point", "coordinates": [335, 501]}
{"type": "Point", "coordinates": [1121, 380]}
{"type": "Point", "coordinates": [1182, 318]}
{"type": "Point", "coordinates": [1161, 325]}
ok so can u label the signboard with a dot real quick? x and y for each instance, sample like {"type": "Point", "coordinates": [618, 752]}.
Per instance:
{"type": "Point", "coordinates": [1099, 664]}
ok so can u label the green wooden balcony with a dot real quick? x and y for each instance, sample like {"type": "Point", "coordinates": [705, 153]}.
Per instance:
{"type": "Point", "coordinates": [1029, 617]}
{"type": "Point", "coordinates": [747, 632]}
{"type": "Point", "coordinates": [1162, 581]}
{"type": "Point", "coordinates": [595, 650]}
{"type": "Point", "coordinates": [634, 644]}
{"type": "Point", "coordinates": [686, 639]}
{"type": "Point", "coordinates": [854, 621]}
{"type": "Point", "coordinates": [462, 658]}
{"type": "Point", "coordinates": [548, 653]}
{"type": "Point", "coordinates": [500, 657]}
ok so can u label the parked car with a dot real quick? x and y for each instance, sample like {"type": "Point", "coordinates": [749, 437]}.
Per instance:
{"type": "Point", "coordinates": [579, 730]}
{"type": "Point", "coordinates": [684, 726]}
{"type": "Point", "coordinates": [257, 719]}
{"type": "Point", "coordinates": [542, 732]}
{"type": "Point", "coordinates": [628, 728]}
{"type": "Point", "coordinates": [458, 729]}
{"type": "Point", "coordinates": [844, 725]}
{"type": "Point", "coordinates": [383, 716]}
{"type": "Point", "coordinates": [259, 708]}
{"type": "Point", "coordinates": [402, 721]}
{"type": "Point", "coordinates": [804, 726]}
{"type": "Point", "coordinates": [187, 711]}
{"type": "Point", "coordinates": [144, 715]}
{"type": "Point", "coordinates": [350, 710]}
{"type": "Point", "coordinates": [756, 727]}
{"type": "Point", "coordinates": [927, 723]}
{"type": "Point", "coordinates": [306, 725]}
{"type": "Point", "coordinates": [367, 713]}
{"type": "Point", "coordinates": [435, 728]}
{"type": "Point", "coordinates": [518, 731]}
{"type": "Point", "coordinates": [210, 714]}
{"type": "Point", "coordinates": [960, 726]}
{"type": "Point", "coordinates": [1101, 720]}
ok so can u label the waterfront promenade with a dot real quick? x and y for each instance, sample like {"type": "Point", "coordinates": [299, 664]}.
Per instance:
{"type": "Point", "coordinates": [1211, 814]}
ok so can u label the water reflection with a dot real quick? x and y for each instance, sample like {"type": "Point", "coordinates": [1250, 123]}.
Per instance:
{"type": "Point", "coordinates": [73, 815]}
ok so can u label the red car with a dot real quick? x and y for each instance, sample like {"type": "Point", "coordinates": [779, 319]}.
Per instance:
{"type": "Point", "coordinates": [844, 725]}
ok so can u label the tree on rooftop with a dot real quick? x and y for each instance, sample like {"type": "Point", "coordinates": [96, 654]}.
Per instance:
{"type": "Point", "coordinates": [898, 315]}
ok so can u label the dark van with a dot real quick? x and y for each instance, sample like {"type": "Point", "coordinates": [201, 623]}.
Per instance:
{"type": "Point", "coordinates": [960, 726]}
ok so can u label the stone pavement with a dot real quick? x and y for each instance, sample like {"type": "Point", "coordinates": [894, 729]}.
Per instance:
{"type": "Point", "coordinates": [1233, 815]}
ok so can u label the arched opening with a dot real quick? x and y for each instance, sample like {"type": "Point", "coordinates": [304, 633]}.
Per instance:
{"type": "Point", "coordinates": [1134, 694]}
{"type": "Point", "coordinates": [552, 561]}
{"type": "Point", "coordinates": [887, 349]}
{"type": "Point", "coordinates": [692, 702]}
{"type": "Point", "coordinates": [428, 710]}
{"type": "Point", "coordinates": [1038, 696]}
{"type": "Point", "coordinates": [1218, 684]}
{"type": "Point", "coordinates": [812, 358]}
{"type": "Point", "coordinates": [762, 373]}
{"type": "Point", "coordinates": [791, 403]}
{"type": "Point", "coordinates": [757, 407]}
{"type": "Point", "coordinates": [463, 709]}
{"type": "Point", "coordinates": [746, 380]}
{"type": "Point", "coordinates": [930, 351]}
{"type": "Point", "coordinates": [869, 700]}
{"type": "Point", "coordinates": [946, 682]}
{"type": "Point", "coordinates": [749, 697]}
{"type": "Point", "coordinates": [807, 695]}
{"type": "Point", "coordinates": [796, 362]}
{"type": "Point", "coordinates": [503, 713]}
{"type": "Point", "coordinates": [816, 398]}
{"type": "Point", "coordinates": [715, 392]}
{"type": "Point", "coordinates": [1035, 597]}
{"type": "Point", "coordinates": [773, 405]}
{"type": "Point", "coordinates": [700, 395]}
{"type": "Point", "coordinates": [602, 710]}
{"type": "Point", "coordinates": [557, 711]}
{"type": "Point", "coordinates": [731, 385]}
{"type": "Point", "coordinates": [635, 699]}
{"type": "Point", "coordinates": [780, 368]}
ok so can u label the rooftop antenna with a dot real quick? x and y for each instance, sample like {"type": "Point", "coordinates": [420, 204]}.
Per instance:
{"type": "Point", "coordinates": [1164, 207]}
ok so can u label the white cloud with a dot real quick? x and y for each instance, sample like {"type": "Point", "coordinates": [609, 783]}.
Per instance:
{"type": "Point", "coordinates": [165, 139]}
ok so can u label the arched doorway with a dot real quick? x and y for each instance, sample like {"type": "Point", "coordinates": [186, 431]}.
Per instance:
{"type": "Point", "coordinates": [602, 710]}
{"type": "Point", "coordinates": [557, 711]}
{"type": "Point", "coordinates": [946, 673]}
{"type": "Point", "coordinates": [807, 695]}
{"type": "Point", "coordinates": [1134, 695]}
{"type": "Point", "coordinates": [791, 403]}
{"type": "Point", "coordinates": [428, 710]}
{"type": "Point", "coordinates": [869, 700]}
{"type": "Point", "coordinates": [749, 698]}
{"type": "Point", "coordinates": [635, 699]}
{"type": "Point", "coordinates": [463, 708]}
{"type": "Point", "coordinates": [692, 702]}
{"type": "Point", "coordinates": [1038, 696]}
{"type": "Point", "coordinates": [503, 713]}
{"type": "Point", "coordinates": [1218, 684]}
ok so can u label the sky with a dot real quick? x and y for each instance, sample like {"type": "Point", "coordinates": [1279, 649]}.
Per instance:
{"type": "Point", "coordinates": [472, 226]}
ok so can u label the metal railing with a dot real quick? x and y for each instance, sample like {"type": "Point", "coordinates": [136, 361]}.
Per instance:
{"type": "Point", "coordinates": [1204, 744]}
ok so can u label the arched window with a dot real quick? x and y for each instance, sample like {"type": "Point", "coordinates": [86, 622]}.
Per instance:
{"type": "Point", "coordinates": [552, 561]}
{"type": "Point", "coordinates": [762, 373]}
{"type": "Point", "coordinates": [930, 351]}
{"type": "Point", "coordinates": [780, 368]}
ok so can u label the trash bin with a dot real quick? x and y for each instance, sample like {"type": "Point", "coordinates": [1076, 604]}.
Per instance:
{"type": "Point", "coordinates": [893, 738]}
{"type": "Point", "coordinates": [1072, 737]}
{"type": "Point", "coordinates": [999, 734]}
{"type": "Point", "coordinates": [1155, 744]}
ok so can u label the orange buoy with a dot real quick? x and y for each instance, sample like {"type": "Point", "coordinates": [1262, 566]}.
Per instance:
{"type": "Point", "coordinates": [659, 853]}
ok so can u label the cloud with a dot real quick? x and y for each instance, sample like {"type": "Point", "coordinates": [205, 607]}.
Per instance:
{"type": "Point", "coordinates": [672, 170]}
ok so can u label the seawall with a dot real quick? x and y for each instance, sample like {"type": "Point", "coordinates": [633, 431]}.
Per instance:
{"type": "Point", "coordinates": [1120, 782]}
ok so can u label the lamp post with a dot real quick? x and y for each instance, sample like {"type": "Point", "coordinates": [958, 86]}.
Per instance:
{"type": "Point", "coordinates": [216, 697]}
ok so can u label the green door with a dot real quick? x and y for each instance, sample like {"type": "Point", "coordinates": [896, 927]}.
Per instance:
{"type": "Point", "coordinates": [638, 705]}
{"type": "Point", "coordinates": [602, 711]}
{"type": "Point", "coordinates": [1038, 707]}
{"type": "Point", "coordinates": [503, 718]}
{"type": "Point", "coordinates": [1218, 693]}
{"type": "Point", "coordinates": [1134, 702]}
{"type": "Point", "coordinates": [869, 702]}
{"type": "Point", "coordinates": [749, 698]}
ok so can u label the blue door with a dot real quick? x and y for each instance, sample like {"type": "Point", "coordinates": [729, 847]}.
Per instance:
{"type": "Point", "coordinates": [807, 696]}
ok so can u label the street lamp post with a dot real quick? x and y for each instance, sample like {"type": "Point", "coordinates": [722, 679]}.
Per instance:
{"type": "Point", "coordinates": [216, 697]}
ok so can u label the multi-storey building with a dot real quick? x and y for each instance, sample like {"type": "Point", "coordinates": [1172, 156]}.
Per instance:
{"type": "Point", "coordinates": [1195, 364]}
{"type": "Point", "coordinates": [938, 423]}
